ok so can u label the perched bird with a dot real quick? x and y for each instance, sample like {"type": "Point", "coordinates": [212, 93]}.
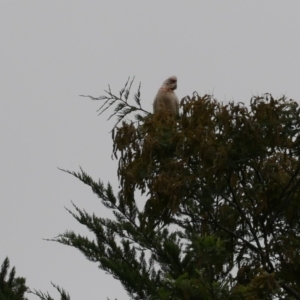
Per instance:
{"type": "Point", "coordinates": [165, 98]}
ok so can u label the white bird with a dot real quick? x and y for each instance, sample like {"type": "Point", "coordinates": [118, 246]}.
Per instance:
{"type": "Point", "coordinates": [165, 98]}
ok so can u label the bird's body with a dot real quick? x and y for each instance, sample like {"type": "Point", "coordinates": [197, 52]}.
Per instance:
{"type": "Point", "coordinates": [166, 99]}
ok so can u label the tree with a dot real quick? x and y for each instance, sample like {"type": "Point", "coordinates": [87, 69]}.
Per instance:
{"type": "Point", "coordinates": [14, 288]}
{"type": "Point", "coordinates": [11, 287]}
{"type": "Point", "coordinates": [222, 202]}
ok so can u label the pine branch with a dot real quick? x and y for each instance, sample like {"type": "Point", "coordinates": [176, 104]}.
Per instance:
{"type": "Point", "coordinates": [122, 107]}
{"type": "Point", "coordinates": [46, 296]}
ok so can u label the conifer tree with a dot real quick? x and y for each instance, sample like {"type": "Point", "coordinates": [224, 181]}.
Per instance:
{"type": "Point", "coordinates": [11, 287]}
{"type": "Point", "coordinates": [220, 219]}
{"type": "Point", "coordinates": [14, 288]}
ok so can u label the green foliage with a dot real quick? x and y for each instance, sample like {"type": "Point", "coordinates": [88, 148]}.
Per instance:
{"type": "Point", "coordinates": [221, 214]}
{"type": "Point", "coordinates": [122, 108]}
{"type": "Point", "coordinates": [46, 296]}
{"type": "Point", "coordinates": [14, 288]}
{"type": "Point", "coordinates": [11, 287]}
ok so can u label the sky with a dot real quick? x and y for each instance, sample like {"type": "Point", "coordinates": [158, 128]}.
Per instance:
{"type": "Point", "coordinates": [53, 51]}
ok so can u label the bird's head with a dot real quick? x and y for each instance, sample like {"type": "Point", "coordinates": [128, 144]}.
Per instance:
{"type": "Point", "coordinates": [170, 83]}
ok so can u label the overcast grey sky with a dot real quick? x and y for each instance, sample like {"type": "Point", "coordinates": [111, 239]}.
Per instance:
{"type": "Point", "coordinates": [53, 51]}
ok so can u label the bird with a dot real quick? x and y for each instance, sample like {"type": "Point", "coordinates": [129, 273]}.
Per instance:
{"type": "Point", "coordinates": [166, 99]}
